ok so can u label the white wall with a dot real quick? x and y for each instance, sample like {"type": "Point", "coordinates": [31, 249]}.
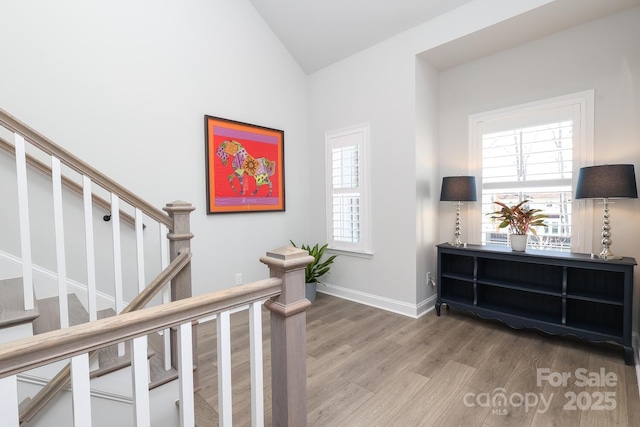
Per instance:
{"type": "Point", "coordinates": [372, 87]}
{"type": "Point", "coordinates": [391, 89]}
{"type": "Point", "coordinates": [125, 86]}
{"type": "Point", "coordinates": [427, 178]}
{"type": "Point", "coordinates": [603, 55]}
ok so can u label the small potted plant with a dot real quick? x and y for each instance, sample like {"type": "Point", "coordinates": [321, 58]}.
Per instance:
{"type": "Point", "coordinates": [521, 220]}
{"type": "Point", "coordinates": [315, 269]}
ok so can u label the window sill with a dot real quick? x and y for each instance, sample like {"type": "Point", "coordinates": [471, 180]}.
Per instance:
{"type": "Point", "coordinates": [348, 252]}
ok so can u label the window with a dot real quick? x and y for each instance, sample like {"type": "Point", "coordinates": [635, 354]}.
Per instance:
{"type": "Point", "coordinates": [347, 189]}
{"type": "Point", "coordinates": [533, 152]}
{"type": "Point", "coordinates": [532, 163]}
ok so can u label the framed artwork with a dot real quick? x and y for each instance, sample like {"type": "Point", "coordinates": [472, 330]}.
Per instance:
{"type": "Point", "coordinates": [244, 165]}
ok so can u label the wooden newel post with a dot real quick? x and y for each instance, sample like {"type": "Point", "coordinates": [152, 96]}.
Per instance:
{"type": "Point", "coordinates": [288, 337]}
{"type": "Point", "coordinates": [180, 241]}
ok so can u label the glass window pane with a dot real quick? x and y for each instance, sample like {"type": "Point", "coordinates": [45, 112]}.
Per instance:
{"type": "Point", "coordinates": [346, 218]}
{"type": "Point", "coordinates": [539, 153]}
{"type": "Point", "coordinates": [345, 167]}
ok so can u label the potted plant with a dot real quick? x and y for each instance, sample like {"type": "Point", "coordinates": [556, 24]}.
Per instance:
{"type": "Point", "coordinates": [521, 220]}
{"type": "Point", "coordinates": [315, 269]}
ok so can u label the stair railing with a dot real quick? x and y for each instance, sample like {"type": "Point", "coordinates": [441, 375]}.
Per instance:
{"type": "Point", "coordinates": [27, 139]}
{"type": "Point", "coordinates": [173, 224]}
{"type": "Point", "coordinates": [31, 407]}
{"type": "Point", "coordinates": [285, 291]}
{"type": "Point", "coordinates": [32, 149]}
{"type": "Point", "coordinates": [67, 182]}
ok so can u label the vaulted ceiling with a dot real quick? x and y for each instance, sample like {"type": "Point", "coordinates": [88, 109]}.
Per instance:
{"type": "Point", "coordinates": [318, 33]}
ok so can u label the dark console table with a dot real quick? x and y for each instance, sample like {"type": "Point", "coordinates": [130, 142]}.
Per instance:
{"type": "Point", "coordinates": [555, 292]}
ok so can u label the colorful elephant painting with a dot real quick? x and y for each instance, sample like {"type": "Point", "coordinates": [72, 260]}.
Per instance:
{"type": "Point", "coordinates": [261, 168]}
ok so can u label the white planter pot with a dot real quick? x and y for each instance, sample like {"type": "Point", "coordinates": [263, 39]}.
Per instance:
{"type": "Point", "coordinates": [518, 242]}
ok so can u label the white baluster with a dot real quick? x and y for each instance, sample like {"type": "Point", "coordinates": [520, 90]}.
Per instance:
{"type": "Point", "coordinates": [185, 373]}
{"type": "Point", "coordinates": [140, 377]}
{"type": "Point", "coordinates": [166, 293]}
{"type": "Point", "coordinates": [257, 377]}
{"type": "Point", "coordinates": [9, 401]}
{"type": "Point", "coordinates": [25, 231]}
{"type": "Point", "coordinates": [56, 177]}
{"type": "Point", "coordinates": [117, 259]}
{"type": "Point", "coordinates": [89, 248]}
{"type": "Point", "coordinates": [224, 369]}
{"type": "Point", "coordinates": [81, 390]}
{"type": "Point", "coordinates": [140, 250]}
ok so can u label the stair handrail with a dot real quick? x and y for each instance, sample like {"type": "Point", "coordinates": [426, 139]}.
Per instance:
{"type": "Point", "coordinates": [32, 406]}
{"type": "Point", "coordinates": [69, 183]}
{"type": "Point", "coordinates": [285, 300]}
{"type": "Point", "coordinates": [32, 352]}
{"type": "Point", "coordinates": [83, 168]}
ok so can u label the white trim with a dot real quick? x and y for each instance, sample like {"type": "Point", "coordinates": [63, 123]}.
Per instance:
{"type": "Point", "coordinates": [25, 230]}
{"type": "Point", "coordinates": [39, 381]}
{"type": "Point", "coordinates": [185, 375]}
{"type": "Point", "coordinates": [56, 181]}
{"type": "Point", "coordinates": [359, 254]}
{"type": "Point", "coordinates": [406, 309]}
{"type": "Point", "coordinates": [117, 261]}
{"type": "Point", "coordinates": [80, 288]}
{"type": "Point", "coordinates": [81, 390]}
{"type": "Point", "coordinates": [140, 380]}
{"type": "Point", "coordinates": [365, 245]}
{"type": "Point", "coordinates": [582, 221]}
{"type": "Point", "coordinates": [232, 311]}
{"type": "Point", "coordinates": [139, 227]}
{"type": "Point", "coordinates": [87, 197]}
{"type": "Point", "coordinates": [117, 255]}
{"type": "Point", "coordinates": [166, 293]}
{"type": "Point", "coordinates": [9, 401]}
{"type": "Point", "coordinates": [225, 395]}
{"type": "Point", "coordinates": [257, 359]}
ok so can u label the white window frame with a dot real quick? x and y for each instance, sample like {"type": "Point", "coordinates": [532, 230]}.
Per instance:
{"type": "Point", "coordinates": [583, 107]}
{"type": "Point", "coordinates": [335, 139]}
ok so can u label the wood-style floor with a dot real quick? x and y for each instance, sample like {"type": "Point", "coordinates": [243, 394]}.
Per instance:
{"type": "Point", "coordinates": [369, 367]}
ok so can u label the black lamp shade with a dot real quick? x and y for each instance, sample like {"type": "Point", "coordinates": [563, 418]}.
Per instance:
{"type": "Point", "coordinates": [606, 181]}
{"type": "Point", "coordinates": [458, 189]}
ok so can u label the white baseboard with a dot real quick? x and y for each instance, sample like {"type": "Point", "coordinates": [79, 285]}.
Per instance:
{"type": "Point", "coordinates": [388, 304]}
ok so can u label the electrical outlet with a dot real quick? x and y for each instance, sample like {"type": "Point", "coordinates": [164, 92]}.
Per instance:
{"type": "Point", "coordinates": [238, 278]}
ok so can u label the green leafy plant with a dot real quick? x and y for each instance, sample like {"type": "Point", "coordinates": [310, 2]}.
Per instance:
{"type": "Point", "coordinates": [519, 218]}
{"type": "Point", "coordinates": [316, 269]}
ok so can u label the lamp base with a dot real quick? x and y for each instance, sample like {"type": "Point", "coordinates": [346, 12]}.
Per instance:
{"type": "Point", "coordinates": [606, 254]}
{"type": "Point", "coordinates": [458, 233]}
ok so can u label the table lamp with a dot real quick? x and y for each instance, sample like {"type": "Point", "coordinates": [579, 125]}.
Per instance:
{"type": "Point", "coordinates": [606, 182]}
{"type": "Point", "coordinates": [458, 189]}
